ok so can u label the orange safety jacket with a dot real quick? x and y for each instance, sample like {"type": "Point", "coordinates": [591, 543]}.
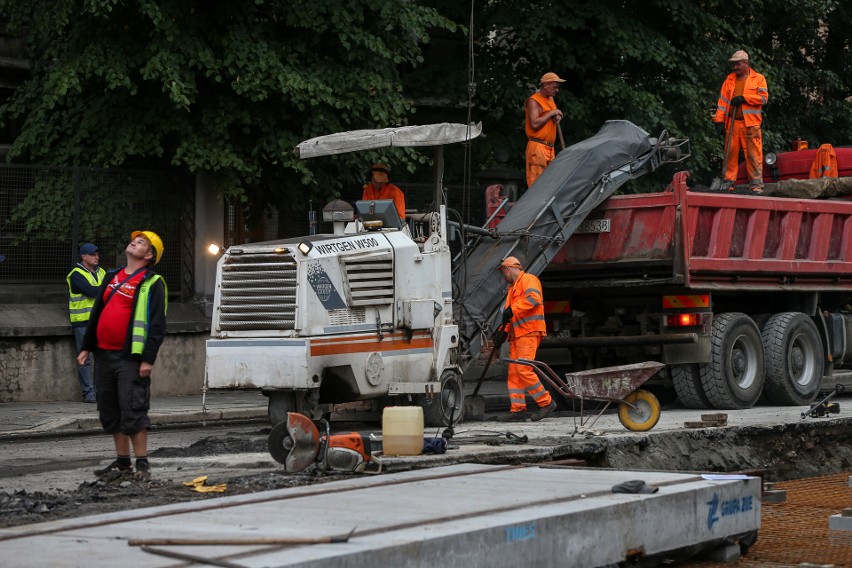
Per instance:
{"type": "Point", "coordinates": [527, 303]}
{"type": "Point", "coordinates": [389, 191]}
{"type": "Point", "coordinates": [755, 93]}
{"type": "Point", "coordinates": [548, 131]}
{"type": "Point", "coordinates": [825, 163]}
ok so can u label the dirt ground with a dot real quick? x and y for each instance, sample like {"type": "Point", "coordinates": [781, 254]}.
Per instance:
{"type": "Point", "coordinates": [785, 452]}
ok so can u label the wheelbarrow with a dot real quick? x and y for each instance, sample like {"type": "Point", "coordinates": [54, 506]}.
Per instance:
{"type": "Point", "coordinates": [638, 409]}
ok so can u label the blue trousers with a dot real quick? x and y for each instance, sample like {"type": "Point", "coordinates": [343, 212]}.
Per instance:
{"type": "Point", "coordinates": [84, 372]}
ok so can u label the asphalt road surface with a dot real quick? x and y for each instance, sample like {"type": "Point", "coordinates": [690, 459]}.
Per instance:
{"type": "Point", "coordinates": [64, 462]}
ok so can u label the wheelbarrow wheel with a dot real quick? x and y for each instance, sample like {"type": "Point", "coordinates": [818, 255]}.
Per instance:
{"type": "Point", "coordinates": [644, 414]}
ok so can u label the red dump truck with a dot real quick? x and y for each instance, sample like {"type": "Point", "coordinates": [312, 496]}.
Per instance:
{"type": "Point", "coordinates": [745, 298]}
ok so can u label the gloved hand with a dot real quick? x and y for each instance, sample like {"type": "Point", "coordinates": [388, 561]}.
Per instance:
{"type": "Point", "coordinates": [720, 127]}
{"type": "Point", "coordinates": [507, 316]}
{"type": "Point", "coordinates": [738, 100]}
{"type": "Point", "coordinates": [499, 338]}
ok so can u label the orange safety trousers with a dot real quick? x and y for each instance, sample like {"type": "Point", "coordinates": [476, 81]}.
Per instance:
{"type": "Point", "coordinates": [538, 157]}
{"type": "Point", "coordinates": [522, 379]}
{"type": "Point", "coordinates": [750, 141]}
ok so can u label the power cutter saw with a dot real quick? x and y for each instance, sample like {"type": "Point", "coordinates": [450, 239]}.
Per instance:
{"type": "Point", "coordinates": [297, 443]}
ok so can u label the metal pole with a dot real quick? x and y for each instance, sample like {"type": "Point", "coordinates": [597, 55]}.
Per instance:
{"type": "Point", "coordinates": [75, 222]}
{"type": "Point", "coordinates": [312, 219]}
{"type": "Point", "coordinates": [438, 174]}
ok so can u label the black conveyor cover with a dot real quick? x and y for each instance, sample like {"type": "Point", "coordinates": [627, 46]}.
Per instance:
{"type": "Point", "coordinates": [578, 180]}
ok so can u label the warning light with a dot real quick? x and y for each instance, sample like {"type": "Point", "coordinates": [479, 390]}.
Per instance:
{"type": "Point", "coordinates": [683, 320]}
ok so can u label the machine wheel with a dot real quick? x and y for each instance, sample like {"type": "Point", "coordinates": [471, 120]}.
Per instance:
{"type": "Point", "coordinates": [687, 384]}
{"type": "Point", "coordinates": [646, 414]}
{"type": "Point", "coordinates": [795, 359]}
{"type": "Point", "coordinates": [449, 402]}
{"type": "Point", "coordinates": [734, 377]}
{"type": "Point", "coordinates": [280, 403]}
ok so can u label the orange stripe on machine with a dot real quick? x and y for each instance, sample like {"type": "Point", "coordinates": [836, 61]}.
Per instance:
{"type": "Point", "coordinates": [368, 344]}
{"type": "Point", "coordinates": [687, 301]}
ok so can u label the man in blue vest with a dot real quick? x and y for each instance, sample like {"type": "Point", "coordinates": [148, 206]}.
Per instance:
{"type": "Point", "coordinates": [126, 329]}
{"type": "Point", "coordinates": [83, 283]}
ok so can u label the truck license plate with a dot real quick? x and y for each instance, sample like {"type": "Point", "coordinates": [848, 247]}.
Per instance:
{"type": "Point", "coordinates": [594, 226]}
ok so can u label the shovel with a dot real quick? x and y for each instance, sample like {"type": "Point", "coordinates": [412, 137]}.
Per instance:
{"type": "Point", "coordinates": [474, 405]}
{"type": "Point", "coordinates": [718, 183]}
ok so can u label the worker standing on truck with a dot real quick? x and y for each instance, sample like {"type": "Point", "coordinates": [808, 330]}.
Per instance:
{"type": "Point", "coordinates": [523, 315]}
{"type": "Point", "coordinates": [541, 124]}
{"type": "Point", "coordinates": [740, 111]}
{"type": "Point", "coordinates": [378, 187]}
{"type": "Point", "coordinates": [126, 329]}
{"type": "Point", "coordinates": [83, 283]}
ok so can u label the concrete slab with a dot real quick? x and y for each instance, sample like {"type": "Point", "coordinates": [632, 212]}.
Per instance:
{"type": "Point", "coordinates": [774, 496]}
{"type": "Point", "coordinates": [840, 522]}
{"type": "Point", "coordinates": [465, 515]}
{"type": "Point", "coordinates": [725, 553]}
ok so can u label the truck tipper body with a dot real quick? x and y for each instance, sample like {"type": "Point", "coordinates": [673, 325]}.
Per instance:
{"type": "Point", "coordinates": [743, 297]}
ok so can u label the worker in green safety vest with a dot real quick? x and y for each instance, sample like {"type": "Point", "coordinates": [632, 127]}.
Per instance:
{"type": "Point", "coordinates": [83, 283]}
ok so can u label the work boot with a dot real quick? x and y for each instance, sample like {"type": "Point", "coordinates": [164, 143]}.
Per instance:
{"type": "Point", "coordinates": [514, 417]}
{"type": "Point", "coordinates": [543, 411]}
{"type": "Point", "coordinates": [143, 469]}
{"type": "Point", "coordinates": [114, 467]}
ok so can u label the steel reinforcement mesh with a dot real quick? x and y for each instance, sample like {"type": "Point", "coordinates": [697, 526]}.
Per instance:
{"type": "Point", "coordinates": [47, 212]}
{"type": "Point", "coordinates": [796, 532]}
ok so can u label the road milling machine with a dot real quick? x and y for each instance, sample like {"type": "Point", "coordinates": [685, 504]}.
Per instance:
{"type": "Point", "coordinates": [380, 313]}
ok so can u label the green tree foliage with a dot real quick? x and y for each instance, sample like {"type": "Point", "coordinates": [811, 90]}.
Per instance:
{"type": "Point", "coordinates": [660, 64]}
{"type": "Point", "coordinates": [231, 88]}
{"type": "Point", "coordinates": [222, 87]}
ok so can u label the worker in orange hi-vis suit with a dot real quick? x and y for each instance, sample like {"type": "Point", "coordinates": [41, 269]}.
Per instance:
{"type": "Point", "coordinates": [540, 124]}
{"type": "Point", "coordinates": [378, 187]}
{"type": "Point", "coordinates": [740, 107]}
{"type": "Point", "coordinates": [523, 315]}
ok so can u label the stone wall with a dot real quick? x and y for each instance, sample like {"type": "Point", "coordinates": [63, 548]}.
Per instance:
{"type": "Point", "coordinates": [37, 354]}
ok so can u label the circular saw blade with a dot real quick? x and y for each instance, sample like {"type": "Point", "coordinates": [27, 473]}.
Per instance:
{"type": "Point", "coordinates": [294, 442]}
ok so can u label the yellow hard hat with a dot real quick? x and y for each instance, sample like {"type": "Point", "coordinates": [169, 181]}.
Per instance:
{"type": "Point", "coordinates": [155, 241]}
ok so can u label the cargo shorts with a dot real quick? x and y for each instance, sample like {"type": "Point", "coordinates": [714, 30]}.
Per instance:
{"type": "Point", "coordinates": [123, 396]}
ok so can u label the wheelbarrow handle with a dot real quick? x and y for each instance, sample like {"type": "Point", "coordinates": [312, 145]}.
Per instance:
{"type": "Point", "coordinates": [538, 366]}
{"type": "Point", "coordinates": [546, 374]}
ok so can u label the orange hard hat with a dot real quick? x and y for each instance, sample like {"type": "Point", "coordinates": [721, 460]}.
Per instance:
{"type": "Point", "coordinates": [511, 262]}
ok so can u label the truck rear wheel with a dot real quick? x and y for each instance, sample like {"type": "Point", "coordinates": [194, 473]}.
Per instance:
{"type": "Point", "coordinates": [794, 359]}
{"type": "Point", "coordinates": [734, 377]}
{"type": "Point", "coordinates": [447, 405]}
{"type": "Point", "coordinates": [687, 384]}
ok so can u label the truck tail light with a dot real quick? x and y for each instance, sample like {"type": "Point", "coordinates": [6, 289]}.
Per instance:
{"type": "Point", "coordinates": [683, 320]}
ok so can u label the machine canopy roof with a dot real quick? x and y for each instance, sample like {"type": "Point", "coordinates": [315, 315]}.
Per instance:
{"type": "Point", "coordinates": [425, 135]}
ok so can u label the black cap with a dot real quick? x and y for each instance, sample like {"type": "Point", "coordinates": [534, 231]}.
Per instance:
{"type": "Point", "coordinates": [88, 248]}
